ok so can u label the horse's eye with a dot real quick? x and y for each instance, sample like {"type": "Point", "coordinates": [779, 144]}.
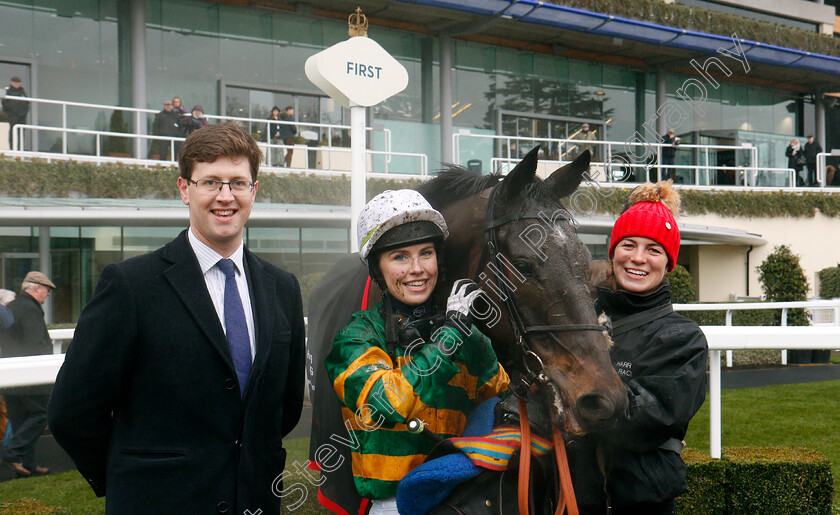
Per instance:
{"type": "Point", "coordinates": [524, 268]}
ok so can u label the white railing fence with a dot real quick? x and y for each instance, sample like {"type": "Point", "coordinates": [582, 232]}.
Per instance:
{"type": "Point", "coordinates": [35, 370]}
{"type": "Point", "coordinates": [823, 334]}
{"type": "Point", "coordinates": [628, 162]}
{"type": "Point", "coordinates": [821, 312]}
{"type": "Point", "coordinates": [323, 151]}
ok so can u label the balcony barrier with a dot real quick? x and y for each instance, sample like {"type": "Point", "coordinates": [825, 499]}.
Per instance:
{"type": "Point", "coordinates": [318, 155]}
{"type": "Point", "coordinates": [621, 162]}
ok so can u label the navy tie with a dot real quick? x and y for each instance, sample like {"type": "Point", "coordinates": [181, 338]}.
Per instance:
{"type": "Point", "coordinates": [235, 325]}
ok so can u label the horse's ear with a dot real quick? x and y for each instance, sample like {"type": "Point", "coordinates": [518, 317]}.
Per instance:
{"type": "Point", "coordinates": [518, 178]}
{"type": "Point", "coordinates": [566, 179]}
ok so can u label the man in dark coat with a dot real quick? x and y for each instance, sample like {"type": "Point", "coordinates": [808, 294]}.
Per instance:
{"type": "Point", "coordinates": [27, 407]}
{"type": "Point", "coordinates": [166, 124]}
{"type": "Point", "coordinates": [156, 403]}
{"type": "Point", "coordinates": [812, 148]}
{"type": "Point", "coordinates": [668, 154]}
{"type": "Point", "coordinates": [15, 110]}
{"type": "Point", "coordinates": [287, 132]}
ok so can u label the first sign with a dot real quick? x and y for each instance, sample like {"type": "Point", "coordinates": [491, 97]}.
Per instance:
{"type": "Point", "coordinates": [357, 72]}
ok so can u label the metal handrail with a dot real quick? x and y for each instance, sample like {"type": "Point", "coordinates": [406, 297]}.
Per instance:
{"type": "Point", "coordinates": [140, 135]}
{"type": "Point", "coordinates": [616, 159]}
{"type": "Point", "coordinates": [749, 175]}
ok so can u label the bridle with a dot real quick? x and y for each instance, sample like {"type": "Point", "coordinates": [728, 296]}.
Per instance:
{"type": "Point", "coordinates": [530, 364]}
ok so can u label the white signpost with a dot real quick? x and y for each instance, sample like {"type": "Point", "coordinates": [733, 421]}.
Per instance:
{"type": "Point", "coordinates": [357, 73]}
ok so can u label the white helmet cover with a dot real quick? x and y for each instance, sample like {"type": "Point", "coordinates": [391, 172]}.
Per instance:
{"type": "Point", "coordinates": [390, 209]}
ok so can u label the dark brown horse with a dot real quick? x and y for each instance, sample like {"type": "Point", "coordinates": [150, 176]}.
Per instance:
{"type": "Point", "coordinates": [513, 236]}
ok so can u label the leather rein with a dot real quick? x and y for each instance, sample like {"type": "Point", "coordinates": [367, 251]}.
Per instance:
{"type": "Point", "coordinates": [531, 366]}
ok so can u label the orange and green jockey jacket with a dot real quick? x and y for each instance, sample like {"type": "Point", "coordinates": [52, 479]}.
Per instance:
{"type": "Point", "coordinates": [439, 384]}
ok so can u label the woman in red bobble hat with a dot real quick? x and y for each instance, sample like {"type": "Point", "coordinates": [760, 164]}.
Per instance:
{"type": "Point", "coordinates": [660, 356]}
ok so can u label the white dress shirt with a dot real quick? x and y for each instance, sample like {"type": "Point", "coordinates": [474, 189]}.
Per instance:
{"type": "Point", "coordinates": [214, 278]}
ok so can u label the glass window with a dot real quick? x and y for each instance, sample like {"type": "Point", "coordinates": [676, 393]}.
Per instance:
{"type": "Point", "coordinates": [472, 87]}
{"type": "Point", "coordinates": [183, 51]}
{"type": "Point", "coordinates": [99, 247]}
{"type": "Point", "coordinates": [142, 240]}
{"type": "Point", "coordinates": [618, 99]}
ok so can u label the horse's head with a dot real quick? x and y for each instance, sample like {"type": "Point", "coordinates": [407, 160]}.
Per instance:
{"type": "Point", "coordinates": [535, 260]}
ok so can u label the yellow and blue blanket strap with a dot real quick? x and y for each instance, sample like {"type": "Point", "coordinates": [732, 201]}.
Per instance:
{"type": "Point", "coordinates": [493, 451]}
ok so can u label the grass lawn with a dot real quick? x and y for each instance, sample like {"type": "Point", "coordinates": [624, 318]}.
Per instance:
{"type": "Point", "coordinates": [68, 493]}
{"type": "Point", "coordinates": [798, 415]}
{"type": "Point", "coordinates": [802, 415]}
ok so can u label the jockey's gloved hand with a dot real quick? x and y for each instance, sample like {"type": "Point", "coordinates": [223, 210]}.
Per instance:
{"type": "Point", "coordinates": [464, 292]}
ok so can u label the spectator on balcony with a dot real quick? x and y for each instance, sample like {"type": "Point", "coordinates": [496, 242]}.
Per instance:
{"type": "Point", "coordinates": [275, 136]}
{"type": "Point", "coordinates": [16, 110]}
{"type": "Point", "coordinates": [167, 123]}
{"type": "Point", "coordinates": [796, 159]}
{"type": "Point", "coordinates": [584, 135]}
{"type": "Point", "coordinates": [178, 106]}
{"type": "Point", "coordinates": [287, 132]}
{"type": "Point", "coordinates": [27, 407]}
{"type": "Point", "coordinates": [812, 148]}
{"type": "Point", "coordinates": [668, 153]}
{"type": "Point", "coordinates": [194, 121]}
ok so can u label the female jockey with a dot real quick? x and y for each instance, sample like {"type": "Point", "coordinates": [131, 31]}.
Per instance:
{"type": "Point", "coordinates": [405, 357]}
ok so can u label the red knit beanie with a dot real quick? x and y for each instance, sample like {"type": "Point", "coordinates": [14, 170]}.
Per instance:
{"type": "Point", "coordinates": [649, 213]}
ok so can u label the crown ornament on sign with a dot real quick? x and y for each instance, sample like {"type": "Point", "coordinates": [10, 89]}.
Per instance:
{"type": "Point", "coordinates": [358, 23]}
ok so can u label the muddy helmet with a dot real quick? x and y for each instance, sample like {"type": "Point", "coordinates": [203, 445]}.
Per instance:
{"type": "Point", "coordinates": [396, 218]}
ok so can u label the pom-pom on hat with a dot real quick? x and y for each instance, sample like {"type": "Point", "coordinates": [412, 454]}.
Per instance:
{"type": "Point", "coordinates": [650, 212]}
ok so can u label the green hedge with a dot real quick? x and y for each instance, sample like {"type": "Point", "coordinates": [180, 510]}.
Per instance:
{"type": "Point", "coordinates": [40, 179]}
{"type": "Point", "coordinates": [711, 22]}
{"type": "Point", "coordinates": [65, 179]}
{"type": "Point", "coordinates": [743, 204]}
{"type": "Point", "coordinates": [766, 480]}
{"type": "Point", "coordinates": [682, 287]}
{"type": "Point", "coordinates": [830, 282]}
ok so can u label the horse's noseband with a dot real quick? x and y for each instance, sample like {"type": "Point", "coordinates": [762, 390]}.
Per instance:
{"type": "Point", "coordinates": [531, 365]}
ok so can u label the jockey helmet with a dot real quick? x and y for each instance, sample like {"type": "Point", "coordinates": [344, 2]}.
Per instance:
{"type": "Point", "coordinates": [398, 218]}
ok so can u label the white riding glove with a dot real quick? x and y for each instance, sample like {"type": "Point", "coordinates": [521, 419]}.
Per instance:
{"type": "Point", "coordinates": [464, 292]}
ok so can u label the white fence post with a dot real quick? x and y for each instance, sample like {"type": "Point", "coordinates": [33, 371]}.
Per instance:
{"type": "Point", "coordinates": [714, 404]}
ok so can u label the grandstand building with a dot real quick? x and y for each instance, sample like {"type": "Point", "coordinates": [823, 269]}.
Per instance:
{"type": "Point", "coordinates": [488, 80]}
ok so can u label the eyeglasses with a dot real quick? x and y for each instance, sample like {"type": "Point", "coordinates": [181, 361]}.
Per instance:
{"type": "Point", "coordinates": [212, 186]}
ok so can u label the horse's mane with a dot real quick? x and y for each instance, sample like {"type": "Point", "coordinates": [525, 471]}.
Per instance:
{"type": "Point", "coordinates": [455, 183]}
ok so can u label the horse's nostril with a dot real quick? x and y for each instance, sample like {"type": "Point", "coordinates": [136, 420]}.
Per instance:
{"type": "Point", "coordinates": [595, 407]}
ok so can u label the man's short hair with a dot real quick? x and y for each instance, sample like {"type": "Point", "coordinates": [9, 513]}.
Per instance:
{"type": "Point", "coordinates": [289, 107]}
{"type": "Point", "coordinates": [26, 285]}
{"type": "Point", "coordinates": [810, 136]}
{"type": "Point", "coordinates": [211, 142]}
